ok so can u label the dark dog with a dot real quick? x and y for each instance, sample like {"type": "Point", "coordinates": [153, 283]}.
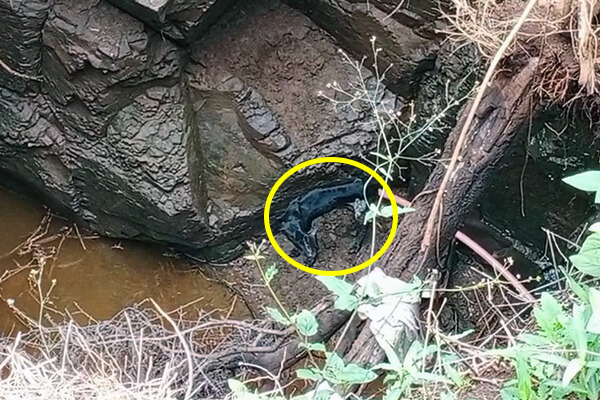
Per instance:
{"type": "Point", "coordinates": [297, 223]}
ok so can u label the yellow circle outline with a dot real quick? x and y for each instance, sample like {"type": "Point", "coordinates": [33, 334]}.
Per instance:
{"type": "Point", "coordinates": [341, 160]}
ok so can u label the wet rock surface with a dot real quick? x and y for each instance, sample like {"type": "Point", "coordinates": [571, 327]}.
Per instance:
{"type": "Point", "coordinates": [179, 20]}
{"type": "Point", "coordinates": [21, 38]}
{"type": "Point", "coordinates": [131, 138]}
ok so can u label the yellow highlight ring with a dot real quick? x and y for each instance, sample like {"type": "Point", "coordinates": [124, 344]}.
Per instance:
{"type": "Point", "coordinates": [356, 164]}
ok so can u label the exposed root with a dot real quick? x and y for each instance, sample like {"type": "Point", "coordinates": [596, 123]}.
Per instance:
{"type": "Point", "coordinates": [587, 45]}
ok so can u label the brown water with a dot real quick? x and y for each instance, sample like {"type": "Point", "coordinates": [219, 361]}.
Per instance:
{"type": "Point", "coordinates": [99, 279]}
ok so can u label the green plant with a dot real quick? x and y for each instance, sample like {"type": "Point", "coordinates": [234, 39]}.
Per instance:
{"type": "Point", "coordinates": [587, 260]}
{"type": "Point", "coordinates": [562, 357]}
{"type": "Point", "coordinates": [390, 305]}
{"type": "Point", "coordinates": [588, 181]}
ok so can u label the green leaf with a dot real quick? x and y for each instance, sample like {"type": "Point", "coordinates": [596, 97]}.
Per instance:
{"type": "Point", "coordinates": [588, 258]}
{"type": "Point", "coordinates": [236, 386]}
{"type": "Point", "coordinates": [380, 155]}
{"type": "Point", "coordinates": [595, 227]}
{"type": "Point", "coordinates": [572, 369]}
{"type": "Point", "coordinates": [428, 376]}
{"type": "Point", "coordinates": [277, 316]}
{"type": "Point", "coordinates": [312, 374]}
{"type": "Point", "coordinates": [579, 290]}
{"type": "Point", "coordinates": [388, 211]}
{"type": "Point", "coordinates": [347, 303]}
{"type": "Point", "coordinates": [385, 367]}
{"type": "Point", "coordinates": [271, 272]}
{"type": "Point", "coordinates": [588, 181]}
{"type": "Point", "coordinates": [593, 324]}
{"type": "Point", "coordinates": [369, 215]}
{"type": "Point", "coordinates": [342, 289]}
{"type": "Point", "coordinates": [447, 396]}
{"type": "Point", "coordinates": [333, 366]}
{"type": "Point", "coordinates": [385, 212]}
{"type": "Point", "coordinates": [392, 393]}
{"type": "Point", "coordinates": [454, 374]}
{"type": "Point", "coordinates": [509, 393]}
{"type": "Point", "coordinates": [336, 285]}
{"type": "Point", "coordinates": [412, 354]}
{"type": "Point", "coordinates": [334, 361]}
{"type": "Point", "coordinates": [524, 379]}
{"type": "Point", "coordinates": [306, 323]}
{"type": "Point", "coordinates": [384, 172]}
{"type": "Point", "coordinates": [535, 340]}
{"type": "Point", "coordinates": [323, 391]}
{"type": "Point", "coordinates": [567, 388]}
{"type": "Point", "coordinates": [550, 358]}
{"type": "Point", "coordinates": [592, 384]}
{"type": "Point", "coordinates": [314, 346]}
{"type": "Point", "coordinates": [547, 314]}
{"type": "Point", "coordinates": [354, 374]}
{"type": "Point", "coordinates": [577, 330]}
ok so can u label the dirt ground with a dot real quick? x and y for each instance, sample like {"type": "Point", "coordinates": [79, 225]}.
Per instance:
{"type": "Point", "coordinates": [338, 234]}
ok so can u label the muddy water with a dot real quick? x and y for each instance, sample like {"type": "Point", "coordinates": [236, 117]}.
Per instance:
{"type": "Point", "coordinates": [99, 276]}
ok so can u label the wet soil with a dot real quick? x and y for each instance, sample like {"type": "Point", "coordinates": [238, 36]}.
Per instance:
{"type": "Point", "coordinates": [338, 234]}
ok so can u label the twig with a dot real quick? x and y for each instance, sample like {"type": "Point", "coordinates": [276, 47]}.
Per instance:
{"type": "Point", "coordinates": [394, 11]}
{"type": "Point", "coordinates": [18, 74]}
{"type": "Point", "coordinates": [470, 243]}
{"type": "Point", "coordinates": [80, 238]}
{"type": "Point", "coordinates": [186, 346]}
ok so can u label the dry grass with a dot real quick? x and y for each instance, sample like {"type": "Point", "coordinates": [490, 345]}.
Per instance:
{"type": "Point", "coordinates": [564, 34]}
{"type": "Point", "coordinates": [143, 352]}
